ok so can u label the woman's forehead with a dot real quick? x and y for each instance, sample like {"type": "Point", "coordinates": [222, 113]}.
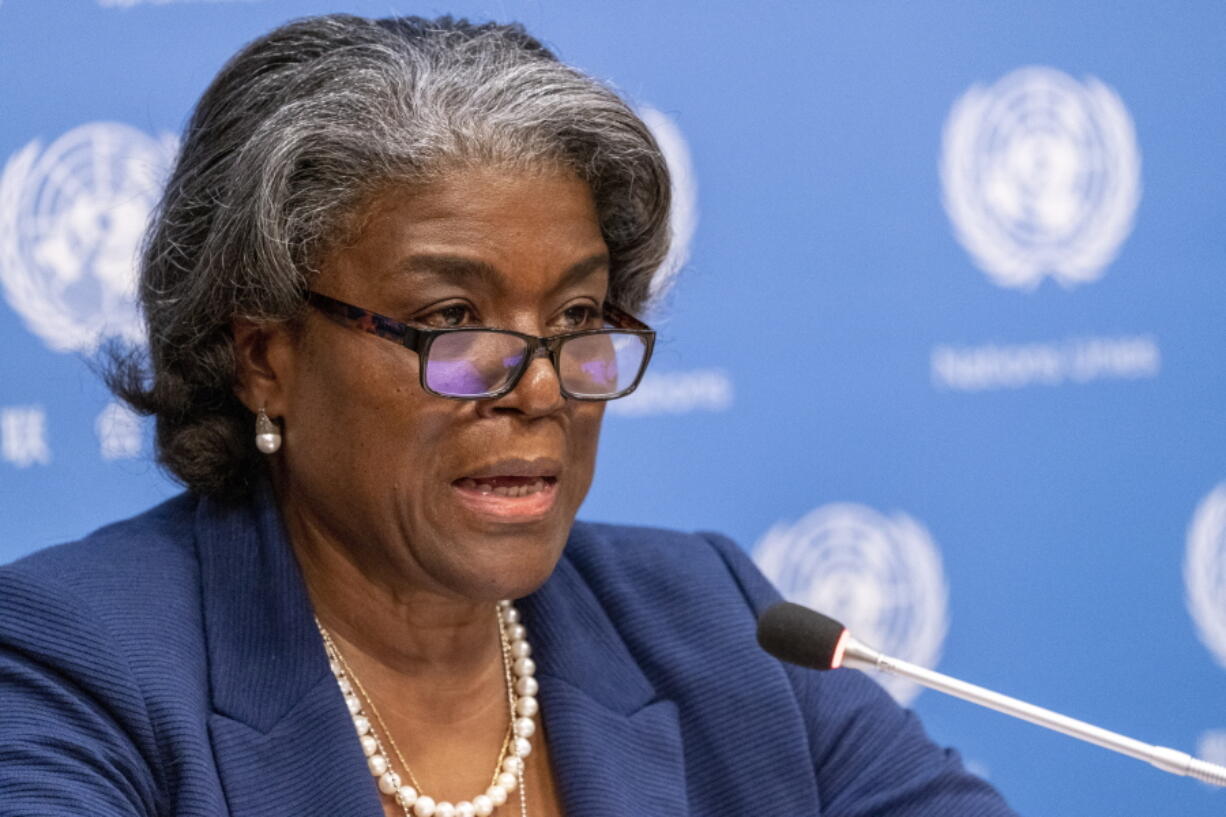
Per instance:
{"type": "Point", "coordinates": [475, 273]}
{"type": "Point", "coordinates": [479, 229]}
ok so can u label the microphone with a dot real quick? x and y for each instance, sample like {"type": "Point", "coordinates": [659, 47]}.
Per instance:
{"type": "Point", "coordinates": [807, 638]}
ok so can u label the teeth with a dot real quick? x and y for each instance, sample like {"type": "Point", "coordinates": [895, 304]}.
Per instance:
{"type": "Point", "coordinates": [533, 487]}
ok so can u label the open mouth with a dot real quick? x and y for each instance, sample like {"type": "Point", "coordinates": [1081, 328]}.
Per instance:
{"type": "Point", "coordinates": [507, 498]}
{"type": "Point", "coordinates": [509, 486]}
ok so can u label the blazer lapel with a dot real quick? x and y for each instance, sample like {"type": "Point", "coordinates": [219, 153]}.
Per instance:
{"type": "Point", "coordinates": [615, 745]}
{"type": "Point", "coordinates": [282, 737]}
{"type": "Point", "coordinates": [283, 741]}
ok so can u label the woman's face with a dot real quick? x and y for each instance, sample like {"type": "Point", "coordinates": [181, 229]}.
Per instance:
{"type": "Point", "coordinates": [412, 485]}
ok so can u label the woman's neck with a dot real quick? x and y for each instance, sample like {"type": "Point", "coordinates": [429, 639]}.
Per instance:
{"type": "Point", "coordinates": [389, 620]}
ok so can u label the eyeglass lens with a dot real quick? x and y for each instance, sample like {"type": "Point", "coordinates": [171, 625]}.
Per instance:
{"type": "Point", "coordinates": [472, 363]}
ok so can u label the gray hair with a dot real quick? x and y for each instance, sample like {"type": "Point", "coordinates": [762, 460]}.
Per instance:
{"type": "Point", "coordinates": [297, 131]}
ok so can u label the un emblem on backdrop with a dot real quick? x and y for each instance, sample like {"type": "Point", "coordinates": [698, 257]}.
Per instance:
{"type": "Point", "coordinates": [1041, 176]}
{"type": "Point", "coordinates": [71, 220]}
{"type": "Point", "coordinates": [1204, 571]}
{"type": "Point", "coordinates": [683, 219]}
{"type": "Point", "coordinates": [880, 575]}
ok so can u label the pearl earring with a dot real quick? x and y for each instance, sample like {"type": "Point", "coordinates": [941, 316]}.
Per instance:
{"type": "Point", "coordinates": [267, 435]}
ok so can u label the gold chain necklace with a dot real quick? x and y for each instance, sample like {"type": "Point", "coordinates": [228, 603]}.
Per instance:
{"type": "Point", "coordinates": [509, 769]}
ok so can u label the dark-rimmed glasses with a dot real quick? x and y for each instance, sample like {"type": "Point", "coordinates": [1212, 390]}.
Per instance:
{"type": "Point", "coordinates": [478, 363]}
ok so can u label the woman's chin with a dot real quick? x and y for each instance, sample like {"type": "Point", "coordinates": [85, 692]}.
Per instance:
{"type": "Point", "coordinates": [509, 572]}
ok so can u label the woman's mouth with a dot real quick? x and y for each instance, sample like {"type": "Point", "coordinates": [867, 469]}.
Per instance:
{"type": "Point", "coordinates": [508, 498]}
{"type": "Point", "coordinates": [505, 486]}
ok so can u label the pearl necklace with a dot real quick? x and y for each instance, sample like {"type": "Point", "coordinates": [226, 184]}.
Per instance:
{"type": "Point", "coordinates": [508, 772]}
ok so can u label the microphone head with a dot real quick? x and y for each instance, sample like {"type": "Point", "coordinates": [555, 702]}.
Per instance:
{"type": "Point", "coordinates": [802, 636]}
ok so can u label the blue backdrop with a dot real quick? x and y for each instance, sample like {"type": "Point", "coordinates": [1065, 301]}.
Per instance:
{"type": "Point", "coordinates": [945, 353]}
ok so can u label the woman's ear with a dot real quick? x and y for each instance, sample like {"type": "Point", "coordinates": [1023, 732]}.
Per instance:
{"type": "Point", "coordinates": [263, 358]}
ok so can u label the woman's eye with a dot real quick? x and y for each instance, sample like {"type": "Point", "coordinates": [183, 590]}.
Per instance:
{"type": "Point", "coordinates": [449, 316]}
{"type": "Point", "coordinates": [581, 316]}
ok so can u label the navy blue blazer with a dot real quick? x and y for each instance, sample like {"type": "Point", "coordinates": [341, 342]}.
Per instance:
{"type": "Point", "coordinates": [169, 665]}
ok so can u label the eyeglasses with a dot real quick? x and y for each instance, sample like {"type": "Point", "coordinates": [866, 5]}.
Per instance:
{"type": "Point", "coordinates": [475, 363]}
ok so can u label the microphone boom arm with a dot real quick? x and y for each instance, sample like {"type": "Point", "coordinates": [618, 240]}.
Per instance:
{"type": "Point", "coordinates": [857, 654]}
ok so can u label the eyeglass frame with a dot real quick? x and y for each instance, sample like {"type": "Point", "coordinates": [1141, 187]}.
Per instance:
{"type": "Point", "coordinates": [420, 339]}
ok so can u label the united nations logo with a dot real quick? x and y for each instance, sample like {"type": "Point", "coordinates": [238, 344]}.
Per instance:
{"type": "Point", "coordinates": [880, 575]}
{"type": "Point", "coordinates": [1041, 176]}
{"type": "Point", "coordinates": [1204, 571]}
{"type": "Point", "coordinates": [684, 216]}
{"type": "Point", "coordinates": [71, 220]}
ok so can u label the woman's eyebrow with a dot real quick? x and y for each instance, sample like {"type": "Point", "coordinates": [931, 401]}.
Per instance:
{"type": "Point", "coordinates": [450, 269]}
{"type": "Point", "coordinates": [472, 272]}
{"type": "Point", "coordinates": [582, 270]}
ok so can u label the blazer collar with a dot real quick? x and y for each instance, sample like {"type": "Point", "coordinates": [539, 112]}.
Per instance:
{"type": "Point", "coordinates": [264, 650]}
{"type": "Point", "coordinates": [282, 738]}
{"type": "Point", "coordinates": [615, 744]}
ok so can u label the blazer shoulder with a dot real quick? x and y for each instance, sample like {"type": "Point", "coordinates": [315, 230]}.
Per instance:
{"type": "Point", "coordinates": [128, 555]}
{"type": "Point", "coordinates": [132, 588]}
{"type": "Point", "coordinates": [90, 643]}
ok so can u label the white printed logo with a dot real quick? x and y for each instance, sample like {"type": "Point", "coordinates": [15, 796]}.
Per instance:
{"type": "Point", "coordinates": [684, 216]}
{"type": "Point", "coordinates": [1016, 366]}
{"type": "Point", "coordinates": [880, 575]}
{"type": "Point", "coordinates": [71, 220]}
{"type": "Point", "coordinates": [1204, 576]}
{"type": "Point", "coordinates": [677, 392]}
{"type": "Point", "coordinates": [23, 436]}
{"type": "Point", "coordinates": [1204, 571]}
{"type": "Point", "coordinates": [1041, 176]}
{"type": "Point", "coordinates": [119, 432]}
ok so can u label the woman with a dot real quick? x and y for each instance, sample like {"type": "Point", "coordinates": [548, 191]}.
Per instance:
{"type": "Point", "coordinates": [323, 623]}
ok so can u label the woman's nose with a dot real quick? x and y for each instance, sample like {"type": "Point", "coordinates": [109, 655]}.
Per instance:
{"type": "Point", "coordinates": [539, 391]}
